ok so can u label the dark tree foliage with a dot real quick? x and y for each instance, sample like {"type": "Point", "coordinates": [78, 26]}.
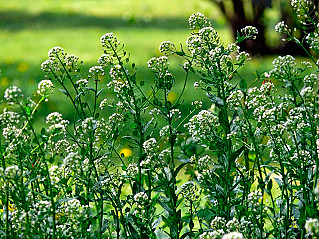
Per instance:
{"type": "Point", "coordinates": [241, 13]}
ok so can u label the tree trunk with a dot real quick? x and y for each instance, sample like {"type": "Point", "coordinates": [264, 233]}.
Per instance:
{"type": "Point", "coordinates": [238, 20]}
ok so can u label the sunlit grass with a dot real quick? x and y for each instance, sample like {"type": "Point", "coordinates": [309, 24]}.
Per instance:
{"type": "Point", "coordinates": [30, 28]}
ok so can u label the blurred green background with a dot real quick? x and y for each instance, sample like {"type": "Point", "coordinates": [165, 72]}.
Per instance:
{"type": "Point", "coordinates": [29, 28]}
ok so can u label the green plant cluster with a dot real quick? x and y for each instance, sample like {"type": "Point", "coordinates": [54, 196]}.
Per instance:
{"type": "Point", "coordinates": [133, 167]}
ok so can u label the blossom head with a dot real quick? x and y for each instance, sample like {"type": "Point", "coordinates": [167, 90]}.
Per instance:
{"type": "Point", "coordinates": [109, 41]}
{"type": "Point", "coordinates": [45, 88]}
{"type": "Point", "coordinates": [198, 21]}
{"type": "Point", "coordinates": [13, 95]}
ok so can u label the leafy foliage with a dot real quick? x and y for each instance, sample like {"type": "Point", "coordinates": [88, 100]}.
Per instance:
{"type": "Point", "coordinates": [114, 171]}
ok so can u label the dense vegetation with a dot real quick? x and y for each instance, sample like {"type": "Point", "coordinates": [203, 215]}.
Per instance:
{"type": "Point", "coordinates": [136, 166]}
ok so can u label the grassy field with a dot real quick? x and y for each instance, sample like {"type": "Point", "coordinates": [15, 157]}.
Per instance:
{"type": "Point", "coordinates": [30, 28]}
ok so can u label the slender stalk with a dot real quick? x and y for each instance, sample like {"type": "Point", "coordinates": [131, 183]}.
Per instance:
{"type": "Point", "coordinates": [6, 202]}
{"type": "Point", "coordinates": [46, 167]}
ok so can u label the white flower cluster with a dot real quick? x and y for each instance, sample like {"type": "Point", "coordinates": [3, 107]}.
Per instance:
{"type": "Point", "coordinates": [232, 47]}
{"type": "Point", "coordinates": [9, 117]}
{"type": "Point", "coordinates": [116, 117]}
{"type": "Point", "coordinates": [132, 170]}
{"type": "Point", "coordinates": [56, 53]}
{"type": "Point", "coordinates": [312, 226]}
{"type": "Point", "coordinates": [70, 215]}
{"type": "Point", "coordinates": [118, 86]}
{"type": "Point", "coordinates": [109, 41]}
{"type": "Point", "coordinates": [103, 130]}
{"type": "Point", "coordinates": [313, 40]}
{"type": "Point", "coordinates": [311, 79]}
{"type": "Point", "coordinates": [167, 47]}
{"type": "Point", "coordinates": [11, 132]}
{"type": "Point", "coordinates": [217, 234]}
{"type": "Point", "coordinates": [112, 181]}
{"type": "Point", "coordinates": [103, 104]}
{"type": "Point", "coordinates": [48, 65]}
{"type": "Point", "coordinates": [12, 172]}
{"type": "Point", "coordinates": [209, 34]}
{"type": "Point", "coordinates": [254, 199]}
{"type": "Point", "coordinates": [218, 223]}
{"type": "Point", "coordinates": [106, 60]}
{"type": "Point", "coordinates": [88, 125]}
{"type": "Point", "coordinates": [233, 235]}
{"type": "Point", "coordinates": [117, 73]}
{"type": "Point", "coordinates": [45, 88]}
{"type": "Point", "coordinates": [165, 155]}
{"type": "Point", "coordinates": [282, 28]}
{"type": "Point", "coordinates": [189, 190]}
{"type": "Point", "coordinates": [13, 95]}
{"type": "Point", "coordinates": [309, 96]}
{"type": "Point", "coordinates": [150, 146]}
{"type": "Point", "coordinates": [202, 126]}
{"type": "Point", "coordinates": [243, 56]}
{"type": "Point", "coordinates": [56, 174]}
{"type": "Point", "coordinates": [197, 104]}
{"type": "Point", "coordinates": [283, 67]}
{"type": "Point", "coordinates": [249, 32]}
{"type": "Point", "coordinates": [140, 199]}
{"type": "Point", "coordinates": [164, 131]}
{"type": "Point", "coordinates": [194, 45]}
{"type": "Point", "coordinates": [233, 225]}
{"type": "Point", "coordinates": [154, 112]}
{"type": "Point", "coordinates": [72, 161]}
{"type": "Point", "coordinates": [82, 83]}
{"type": "Point", "coordinates": [72, 63]}
{"type": "Point", "coordinates": [158, 64]}
{"type": "Point", "coordinates": [148, 162]}
{"type": "Point", "coordinates": [235, 99]}
{"type": "Point", "coordinates": [198, 21]}
{"type": "Point", "coordinates": [175, 113]}
{"type": "Point", "coordinates": [96, 72]}
{"type": "Point", "coordinates": [302, 7]}
{"type": "Point", "coordinates": [56, 122]}
{"type": "Point", "coordinates": [204, 163]}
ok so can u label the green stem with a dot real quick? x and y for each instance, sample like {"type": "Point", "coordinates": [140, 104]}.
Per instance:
{"type": "Point", "coordinates": [46, 166]}
{"type": "Point", "coordinates": [6, 201]}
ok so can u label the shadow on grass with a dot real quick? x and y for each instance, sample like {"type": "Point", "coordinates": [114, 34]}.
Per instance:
{"type": "Point", "coordinates": [18, 20]}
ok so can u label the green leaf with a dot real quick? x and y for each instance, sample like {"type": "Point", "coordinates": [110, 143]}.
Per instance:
{"type": "Point", "coordinates": [99, 92]}
{"type": "Point", "coordinates": [166, 220]}
{"type": "Point", "coordinates": [156, 222]}
{"type": "Point", "coordinates": [237, 153]}
{"type": "Point", "coordinates": [134, 233]}
{"type": "Point", "coordinates": [64, 92]}
{"type": "Point", "coordinates": [243, 84]}
{"type": "Point", "coordinates": [220, 192]}
{"type": "Point", "coordinates": [206, 214]}
{"type": "Point", "coordinates": [78, 96]}
{"type": "Point", "coordinates": [164, 203]}
{"type": "Point", "coordinates": [91, 89]}
{"type": "Point", "coordinates": [176, 171]}
{"type": "Point", "coordinates": [269, 186]}
{"type": "Point", "coordinates": [215, 99]}
{"type": "Point", "coordinates": [279, 182]}
{"type": "Point", "coordinates": [147, 125]}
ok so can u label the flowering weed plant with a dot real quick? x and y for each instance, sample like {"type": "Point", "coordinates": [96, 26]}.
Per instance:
{"type": "Point", "coordinates": [249, 164]}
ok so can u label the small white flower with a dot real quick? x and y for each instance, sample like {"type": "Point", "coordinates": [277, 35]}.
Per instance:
{"type": "Point", "coordinates": [233, 235]}
{"type": "Point", "coordinates": [45, 88]}
{"type": "Point", "coordinates": [13, 94]}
